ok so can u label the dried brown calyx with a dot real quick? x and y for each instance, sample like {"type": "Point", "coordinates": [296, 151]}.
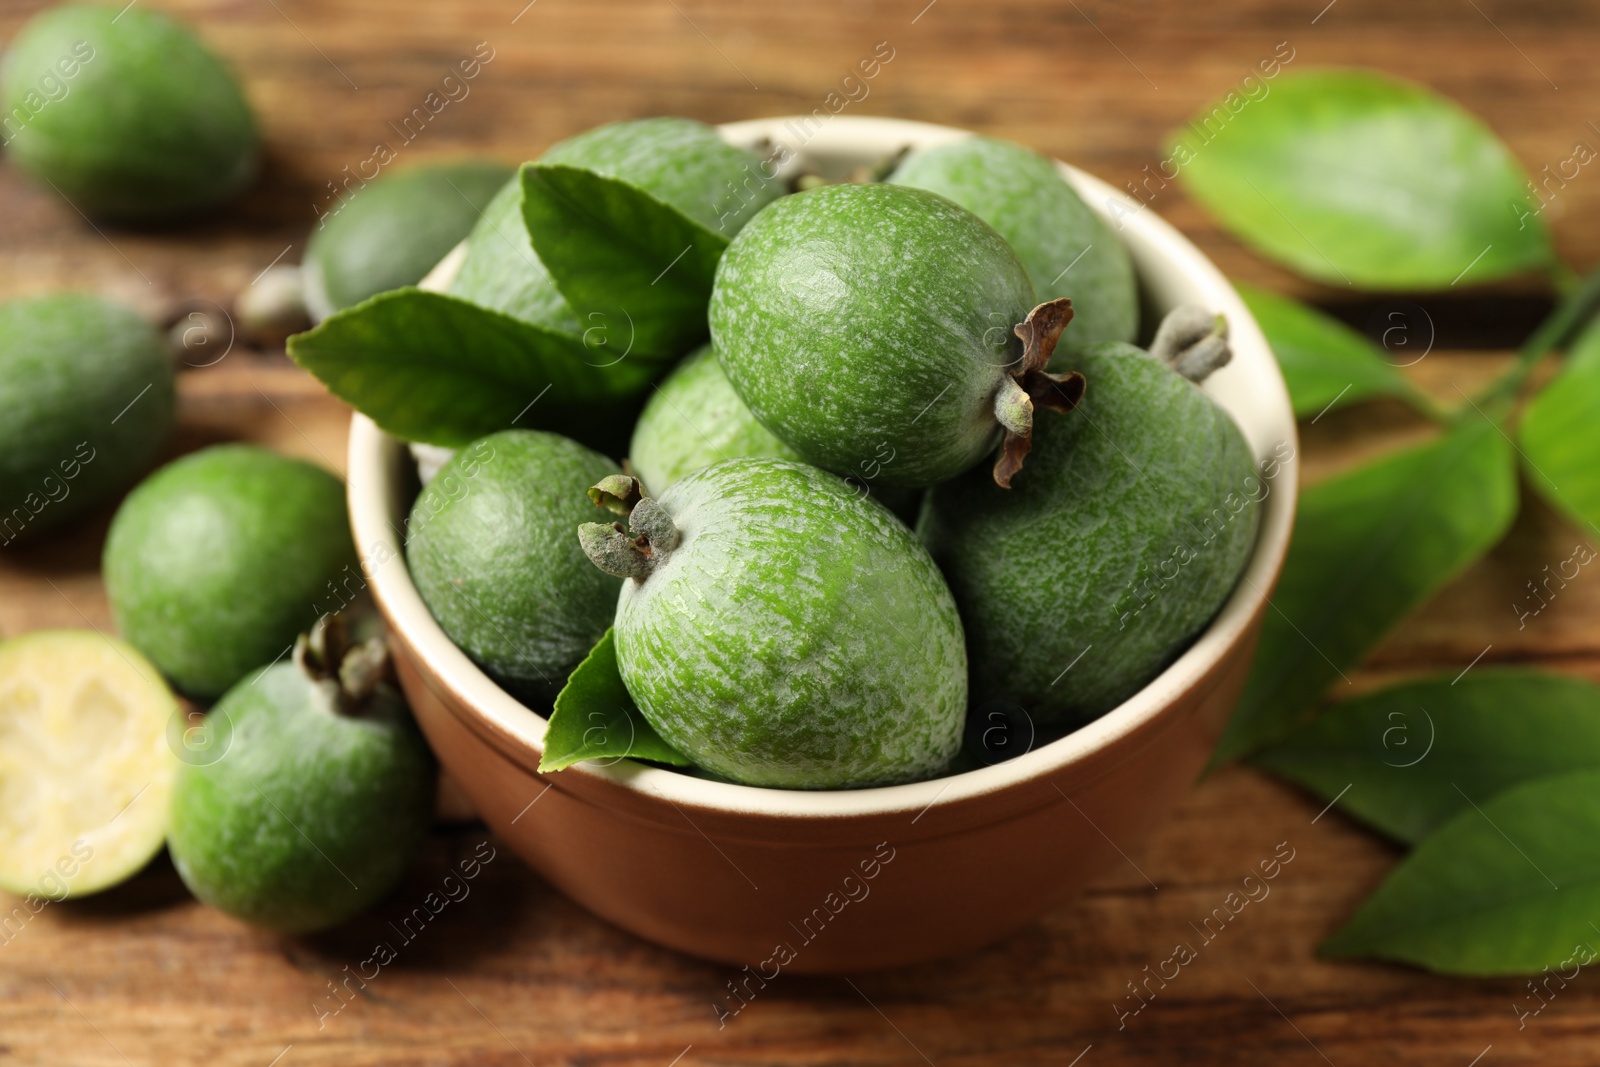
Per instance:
{"type": "Point", "coordinates": [1030, 386]}
{"type": "Point", "coordinates": [327, 654]}
{"type": "Point", "coordinates": [635, 551]}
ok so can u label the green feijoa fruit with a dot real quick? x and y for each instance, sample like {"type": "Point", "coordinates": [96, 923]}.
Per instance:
{"type": "Point", "coordinates": [491, 547]}
{"type": "Point", "coordinates": [779, 629]}
{"type": "Point", "coordinates": [1117, 544]}
{"type": "Point", "coordinates": [125, 113]}
{"type": "Point", "coordinates": [502, 272]}
{"type": "Point", "coordinates": [315, 796]}
{"type": "Point", "coordinates": [695, 419]}
{"type": "Point", "coordinates": [680, 162]}
{"type": "Point", "coordinates": [391, 232]}
{"type": "Point", "coordinates": [1068, 249]}
{"type": "Point", "coordinates": [87, 391]}
{"type": "Point", "coordinates": [215, 562]}
{"type": "Point", "coordinates": [886, 327]}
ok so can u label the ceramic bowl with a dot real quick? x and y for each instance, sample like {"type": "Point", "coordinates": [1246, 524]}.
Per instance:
{"type": "Point", "coordinates": [781, 880]}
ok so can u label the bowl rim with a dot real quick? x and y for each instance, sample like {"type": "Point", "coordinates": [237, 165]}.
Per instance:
{"type": "Point", "coordinates": [373, 470]}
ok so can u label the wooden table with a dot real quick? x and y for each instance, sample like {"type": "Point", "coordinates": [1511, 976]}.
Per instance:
{"type": "Point", "coordinates": [516, 974]}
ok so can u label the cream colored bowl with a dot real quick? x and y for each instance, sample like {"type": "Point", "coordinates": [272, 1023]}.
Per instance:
{"type": "Point", "coordinates": [836, 881]}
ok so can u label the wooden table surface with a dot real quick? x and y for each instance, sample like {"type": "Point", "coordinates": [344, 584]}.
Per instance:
{"type": "Point", "coordinates": [515, 973]}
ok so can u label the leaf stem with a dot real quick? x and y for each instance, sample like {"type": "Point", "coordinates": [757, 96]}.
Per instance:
{"type": "Point", "coordinates": [1563, 277]}
{"type": "Point", "coordinates": [1426, 405]}
{"type": "Point", "coordinates": [1556, 329]}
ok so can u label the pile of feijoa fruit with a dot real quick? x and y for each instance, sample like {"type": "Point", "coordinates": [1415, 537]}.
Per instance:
{"type": "Point", "coordinates": [814, 473]}
{"type": "Point", "coordinates": [244, 716]}
{"type": "Point", "coordinates": [899, 462]}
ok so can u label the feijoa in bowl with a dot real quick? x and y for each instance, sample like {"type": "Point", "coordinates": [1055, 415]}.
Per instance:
{"type": "Point", "coordinates": [845, 880]}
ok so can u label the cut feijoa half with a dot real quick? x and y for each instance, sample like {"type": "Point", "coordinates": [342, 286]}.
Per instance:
{"type": "Point", "coordinates": [85, 767]}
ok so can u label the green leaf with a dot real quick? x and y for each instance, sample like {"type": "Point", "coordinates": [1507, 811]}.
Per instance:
{"type": "Point", "coordinates": [1369, 546]}
{"type": "Point", "coordinates": [435, 368]}
{"type": "Point", "coordinates": [1508, 886]}
{"type": "Point", "coordinates": [1560, 434]}
{"type": "Point", "coordinates": [595, 718]}
{"type": "Point", "coordinates": [1404, 760]}
{"type": "Point", "coordinates": [1353, 177]}
{"type": "Point", "coordinates": [622, 258]}
{"type": "Point", "coordinates": [1325, 363]}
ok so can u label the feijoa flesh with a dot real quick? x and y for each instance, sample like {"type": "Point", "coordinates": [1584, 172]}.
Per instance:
{"type": "Point", "coordinates": [885, 326]}
{"type": "Point", "coordinates": [1115, 546]}
{"type": "Point", "coordinates": [86, 770]}
{"type": "Point", "coordinates": [782, 630]}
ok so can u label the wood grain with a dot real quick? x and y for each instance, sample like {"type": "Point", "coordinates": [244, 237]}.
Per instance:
{"type": "Point", "coordinates": [514, 973]}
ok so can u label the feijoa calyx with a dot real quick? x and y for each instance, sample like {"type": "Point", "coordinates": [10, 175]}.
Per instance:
{"type": "Point", "coordinates": [1068, 250]}
{"type": "Point", "coordinates": [780, 629]}
{"type": "Point", "coordinates": [885, 326]}
{"type": "Point", "coordinates": [490, 546]}
{"type": "Point", "coordinates": [318, 794]}
{"type": "Point", "coordinates": [87, 391]}
{"type": "Point", "coordinates": [1117, 544]}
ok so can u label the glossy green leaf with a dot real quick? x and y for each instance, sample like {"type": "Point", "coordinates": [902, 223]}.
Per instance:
{"type": "Point", "coordinates": [1508, 886]}
{"type": "Point", "coordinates": [595, 718]}
{"type": "Point", "coordinates": [1353, 177]}
{"type": "Point", "coordinates": [435, 368]}
{"type": "Point", "coordinates": [1560, 434]}
{"type": "Point", "coordinates": [1325, 363]}
{"type": "Point", "coordinates": [621, 258]}
{"type": "Point", "coordinates": [1403, 760]}
{"type": "Point", "coordinates": [1370, 545]}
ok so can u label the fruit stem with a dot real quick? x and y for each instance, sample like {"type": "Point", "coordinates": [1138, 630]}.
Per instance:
{"type": "Point", "coordinates": [1014, 408]}
{"type": "Point", "coordinates": [1557, 329]}
{"type": "Point", "coordinates": [1192, 341]}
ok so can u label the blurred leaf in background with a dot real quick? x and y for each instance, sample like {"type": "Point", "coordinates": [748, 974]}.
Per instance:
{"type": "Point", "coordinates": [1405, 759]}
{"type": "Point", "coordinates": [1353, 177]}
{"type": "Point", "coordinates": [1511, 884]}
{"type": "Point", "coordinates": [1370, 545]}
{"type": "Point", "coordinates": [1560, 434]}
{"type": "Point", "coordinates": [1325, 363]}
